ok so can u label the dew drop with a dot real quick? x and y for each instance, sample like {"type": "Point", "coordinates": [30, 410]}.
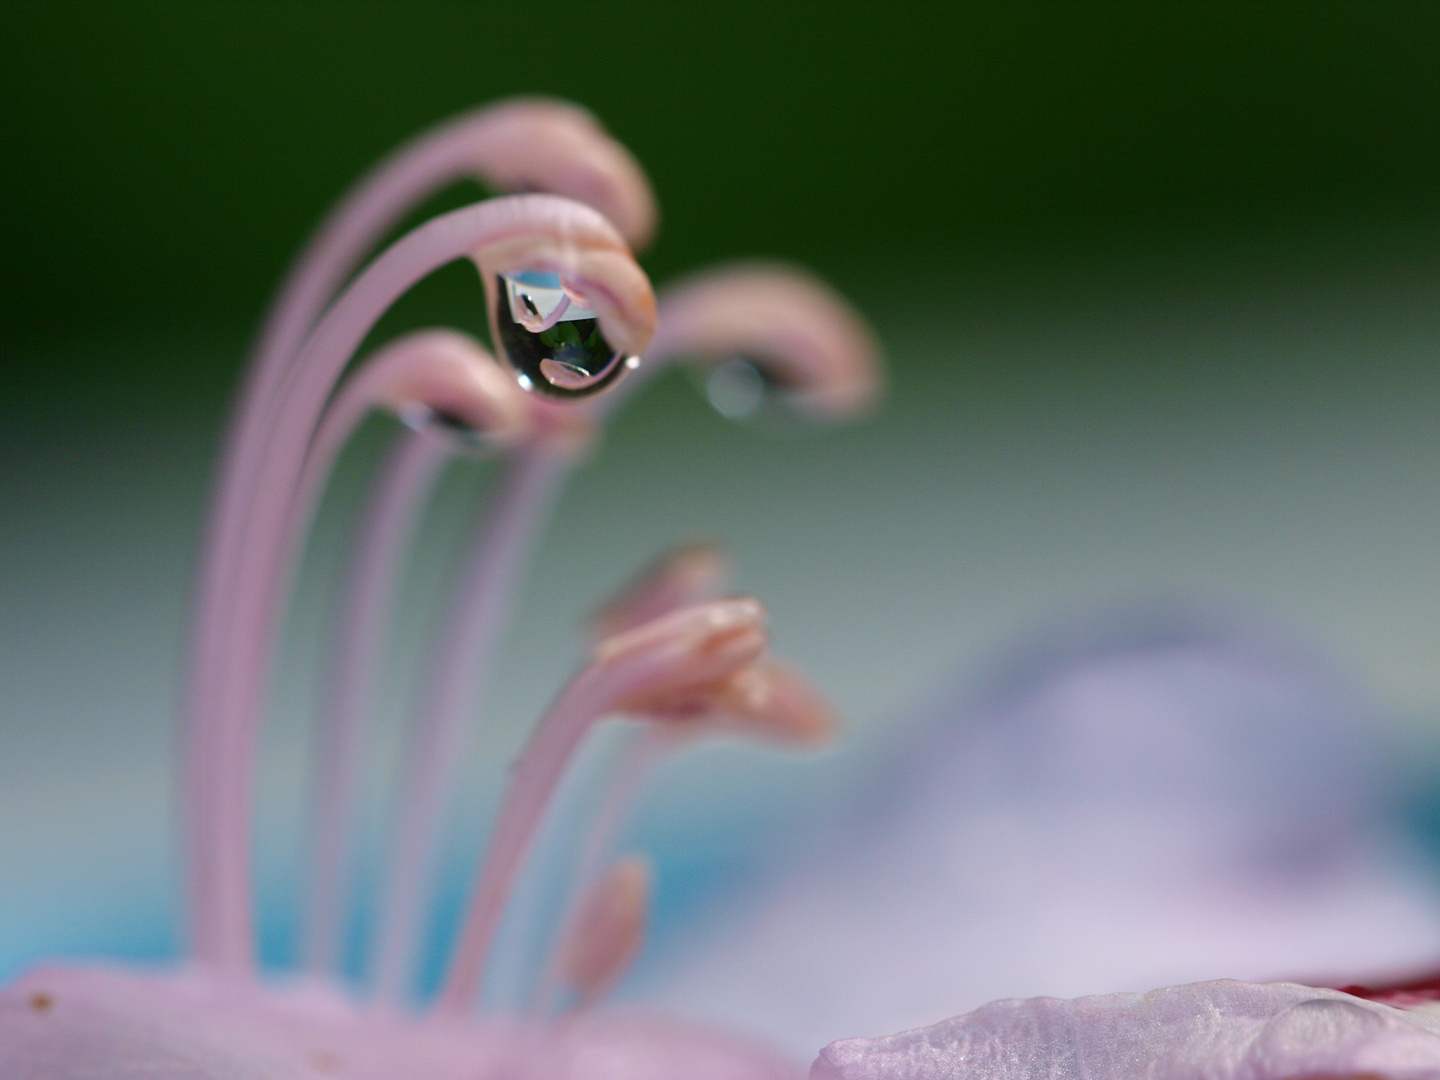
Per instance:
{"type": "Point", "coordinates": [552, 337]}
{"type": "Point", "coordinates": [736, 389]}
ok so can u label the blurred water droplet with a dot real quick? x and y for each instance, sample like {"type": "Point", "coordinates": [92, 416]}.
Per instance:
{"type": "Point", "coordinates": [736, 389]}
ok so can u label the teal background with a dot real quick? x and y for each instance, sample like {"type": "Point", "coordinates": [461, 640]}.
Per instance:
{"type": "Point", "coordinates": [1158, 288]}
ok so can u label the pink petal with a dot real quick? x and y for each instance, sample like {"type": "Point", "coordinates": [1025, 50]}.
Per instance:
{"type": "Point", "coordinates": [1216, 1031]}
{"type": "Point", "coordinates": [92, 1023]}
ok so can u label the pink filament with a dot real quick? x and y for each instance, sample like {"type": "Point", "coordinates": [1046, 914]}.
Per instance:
{"type": "Point", "coordinates": [479, 142]}
{"type": "Point", "coordinates": [464, 653]}
{"type": "Point", "coordinates": [534, 779]}
{"type": "Point", "coordinates": [638, 758]}
{"type": "Point", "coordinates": [375, 204]}
{"type": "Point", "coordinates": [385, 533]}
{"type": "Point", "coordinates": [223, 734]}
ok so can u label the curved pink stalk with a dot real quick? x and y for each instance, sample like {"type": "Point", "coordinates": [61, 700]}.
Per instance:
{"type": "Point", "coordinates": [761, 702]}
{"type": "Point", "coordinates": [553, 231]}
{"type": "Point", "coordinates": [637, 760]}
{"type": "Point", "coordinates": [765, 701]}
{"type": "Point", "coordinates": [684, 575]}
{"type": "Point", "coordinates": [521, 144]}
{"type": "Point", "coordinates": [525, 144]}
{"type": "Point", "coordinates": [445, 373]}
{"type": "Point", "coordinates": [385, 533]}
{"type": "Point", "coordinates": [694, 646]}
{"type": "Point", "coordinates": [811, 342]}
{"type": "Point", "coordinates": [442, 373]}
{"type": "Point", "coordinates": [464, 650]}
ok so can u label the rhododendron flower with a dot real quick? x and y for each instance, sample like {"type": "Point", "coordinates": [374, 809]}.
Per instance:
{"type": "Point", "coordinates": [575, 325]}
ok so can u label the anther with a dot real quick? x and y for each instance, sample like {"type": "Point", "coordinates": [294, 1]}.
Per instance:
{"type": "Point", "coordinates": [680, 576]}
{"type": "Point", "coordinates": [676, 654]}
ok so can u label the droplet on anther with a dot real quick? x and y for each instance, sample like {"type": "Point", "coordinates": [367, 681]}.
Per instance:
{"type": "Point", "coordinates": [736, 389]}
{"type": "Point", "coordinates": [552, 336]}
{"type": "Point", "coordinates": [746, 387]}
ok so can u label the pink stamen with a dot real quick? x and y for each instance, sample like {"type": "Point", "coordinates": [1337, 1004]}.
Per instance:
{"type": "Point", "coordinates": [225, 738]}
{"type": "Point", "coordinates": [684, 575]}
{"type": "Point", "coordinates": [693, 646]}
{"type": "Point", "coordinates": [386, 530]}
{"type": "Point", "coordinates": [820, 350]}
{"type": "Point", "coordinates": [462, 658]}
{"type": "Point", "coordinates": [517, 144]}
{"type": "Point", "coordinates": [441, 372]}
{"type": "Point", "coordinates": [842, 344]}
{"type": "Point", "coordinates": [638, 759]}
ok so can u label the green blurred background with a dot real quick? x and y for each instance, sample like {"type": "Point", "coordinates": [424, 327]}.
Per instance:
{"type": "Point", "coordinates": [162, 162]}
{"type": "Point", "coordinates": [1158, 285]}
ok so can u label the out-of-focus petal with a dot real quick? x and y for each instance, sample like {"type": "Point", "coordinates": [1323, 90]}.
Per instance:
{"type": "Point", "coordinates": [89, 1023]}
{"type": "Point", "coordinates": [1140, 801]}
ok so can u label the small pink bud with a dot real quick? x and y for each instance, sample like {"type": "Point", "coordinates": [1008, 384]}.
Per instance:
{"type": "Point", "coordinates": [608, 929]}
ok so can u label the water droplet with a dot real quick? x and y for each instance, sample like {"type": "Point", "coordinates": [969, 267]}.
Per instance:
{"type": "Point", "coordinates": [418, 416]}
{"type": "Point", "coordinates": [736, 389]}
{"type": "Point", "coordinates": [552, 337]}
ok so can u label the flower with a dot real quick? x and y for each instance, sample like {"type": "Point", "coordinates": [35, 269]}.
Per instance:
{"type": "Point", "coordinates": [572, 314]}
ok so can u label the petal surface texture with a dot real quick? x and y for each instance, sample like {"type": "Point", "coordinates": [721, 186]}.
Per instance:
{"type": "Point", "coordinates": [88, 1023]}
{"type": "Point", "coordinates": [1205, 1031]}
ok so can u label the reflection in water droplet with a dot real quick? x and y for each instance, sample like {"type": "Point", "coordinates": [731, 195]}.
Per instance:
{"type": "Point", "coordinates": [552, 337]}
{"type": "Point", "coordinates": [736, 389]}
